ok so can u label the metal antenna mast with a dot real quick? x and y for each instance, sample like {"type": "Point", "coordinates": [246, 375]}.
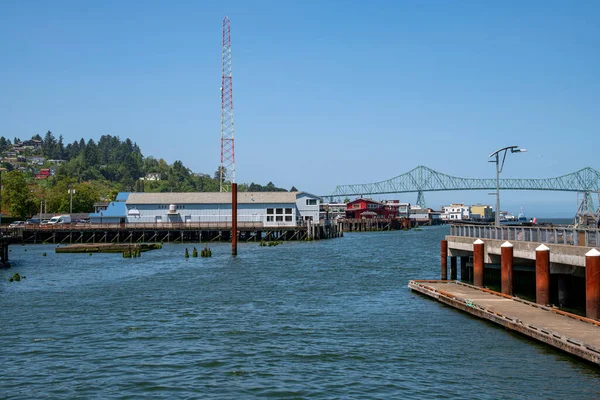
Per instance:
{"type": "Point", "coordinates": [227, 167]}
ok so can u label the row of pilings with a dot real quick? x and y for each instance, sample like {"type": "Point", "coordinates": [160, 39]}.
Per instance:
{"type": "Point", "coordinates": [375, 224]}
{"type": "Point", "coordinates": [542, 273]}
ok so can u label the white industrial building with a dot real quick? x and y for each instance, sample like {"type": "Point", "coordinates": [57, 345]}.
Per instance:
{"type": "Point", "coordinates": [266, 208]}
{"type": "Point", "coordinates": [455, 211]}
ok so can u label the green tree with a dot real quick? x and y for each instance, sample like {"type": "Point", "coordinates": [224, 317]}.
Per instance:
{"type": "Point", "coordinates": [49, 145]}
{"type": "Point", "coordinates": [16, 197]}
{"type": "Point", "coordinates": [4, 144]}
{"type": "Point", "coordinates": [58, 198]}
{"type": "Point", "coordinates": [84, 198]}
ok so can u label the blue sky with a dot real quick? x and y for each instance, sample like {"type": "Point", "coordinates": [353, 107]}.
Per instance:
{"type": "Point", "coordinates": [325, 92]}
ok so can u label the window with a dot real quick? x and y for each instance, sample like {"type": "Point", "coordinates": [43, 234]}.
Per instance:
{"type": "Point", "coordinates": [269, 218]}
{"type": "Point", "coordinates": [288, 210]}
{"type": "Point", "coordinates": [279, 218]}
{"type": "Point", "coordinates": [288, 218]}
{"type": "Point", "coordinates": [269, 211]}
{"type": "Point", "coordinates": [279, 211]}
{"type": "Point", "coordinates": [311, 202]}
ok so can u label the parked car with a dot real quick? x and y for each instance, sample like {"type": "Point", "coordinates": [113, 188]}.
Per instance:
{"type": "Point", "coordinates": [32, 221]}
{"type": "Point", "coordinates": [16, 224]}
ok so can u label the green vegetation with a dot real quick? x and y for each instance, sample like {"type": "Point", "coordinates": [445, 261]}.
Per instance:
{"type": "Point", "coordinates": [44, 170]}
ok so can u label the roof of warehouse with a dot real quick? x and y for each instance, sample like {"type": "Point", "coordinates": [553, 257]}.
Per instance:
{"type": "Point", "coordinates": [210, 198]}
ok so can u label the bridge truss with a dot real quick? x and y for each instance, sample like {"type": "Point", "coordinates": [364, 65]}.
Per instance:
{"type": "Point", "coordinates": [422, 179]}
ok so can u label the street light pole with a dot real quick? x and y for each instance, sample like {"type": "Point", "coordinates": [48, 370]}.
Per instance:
{"type": "Point", "coordinates": [71, 191]}
{"type": "Point", "coordinates": [499, 167]}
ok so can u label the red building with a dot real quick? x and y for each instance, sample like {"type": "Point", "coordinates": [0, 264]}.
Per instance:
{"type": "Point", "coordinates": [43, 174]}
{"type": "Point", "coordinates": [367, 208]}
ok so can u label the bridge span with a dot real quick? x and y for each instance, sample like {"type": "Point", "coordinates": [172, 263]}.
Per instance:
{"type": "Point", "coordinates": [423, 179]}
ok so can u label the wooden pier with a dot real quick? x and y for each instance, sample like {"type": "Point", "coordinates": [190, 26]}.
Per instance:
{"type": "Point", "coordinates": [568, 332]}
{"type": "Point", "coordinates": [168, 233]}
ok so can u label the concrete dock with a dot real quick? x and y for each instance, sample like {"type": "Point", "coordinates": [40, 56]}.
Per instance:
{"type": "Point", "coordinates": [568, 332]}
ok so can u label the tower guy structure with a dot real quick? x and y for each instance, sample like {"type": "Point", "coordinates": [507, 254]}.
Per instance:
{"type": "Point", "coordinates": [227, 166]}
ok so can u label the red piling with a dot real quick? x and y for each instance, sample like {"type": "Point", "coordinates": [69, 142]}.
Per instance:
{"type": "Point", "coordinates": [234, 205]}
{"type": "Point", "coordinates": [478, 258]}
{"type": "Point", "coordinates": [444, 256]}
{"type": "Point", "coordinates": [542, 275]}
{"type": "Point", "coordinates": [506, 272]}
{"type": "Point", "coordinates": [592, 284]}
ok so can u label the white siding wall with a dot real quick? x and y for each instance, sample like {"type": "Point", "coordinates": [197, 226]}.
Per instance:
{"type": "Point", "coordinates": [206, 213]}
{"type": "Point", "coordinates": [305, 209]}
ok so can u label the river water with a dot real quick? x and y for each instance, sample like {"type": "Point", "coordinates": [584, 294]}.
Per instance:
{"type": "Point", "coordinates": [321, 320]}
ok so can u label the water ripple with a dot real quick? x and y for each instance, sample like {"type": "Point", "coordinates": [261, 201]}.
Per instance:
{"type": "Point", "coordinates": [319, 320]}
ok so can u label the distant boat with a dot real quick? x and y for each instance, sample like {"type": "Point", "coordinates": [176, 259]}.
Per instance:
{"type": "Point", "coordinates": [522, 217]}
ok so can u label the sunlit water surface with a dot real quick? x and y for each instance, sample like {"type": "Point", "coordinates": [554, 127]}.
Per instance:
{"type": "Point", "coordinates": [320, 320]}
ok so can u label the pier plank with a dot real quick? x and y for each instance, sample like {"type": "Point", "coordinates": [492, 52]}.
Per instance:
{"type": "Point", "coordinates": [571, 333]}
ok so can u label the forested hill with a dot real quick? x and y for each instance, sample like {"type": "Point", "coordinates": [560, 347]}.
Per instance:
{"type": "Point", "coordinates": [105, 167]}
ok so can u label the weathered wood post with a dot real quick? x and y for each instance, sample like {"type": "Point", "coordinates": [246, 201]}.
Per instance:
{"type": "Point", "coordinates": [444, 259]}
{"type": "Point", "coordinates": [542, 274]}
{"type": "Point", "coordinates": [234, 219]}
{"type": "Point", "coordinates": [592, 284]}
{"type": "Point", "coordinates": [506, 271]}
{"type": "Point", "coordinates": [478, 259]}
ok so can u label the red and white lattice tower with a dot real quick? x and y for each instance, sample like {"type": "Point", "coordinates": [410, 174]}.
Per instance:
{"type": "Point", "coordinates": [227, 167]}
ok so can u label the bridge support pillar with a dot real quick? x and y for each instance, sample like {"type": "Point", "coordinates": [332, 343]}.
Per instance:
{"type": "Point", "coordinates": [453, 273]}
{"type": "Point", "coordinates": [592, 284]}
{"type": "Point", "coordinates": [506, 269]}
{"type": "Point", "coordinates": [464, 271]}
{"type": "Point", "coordinates": [444, 259]}
{"type": "Point", "coordinates": [542, 275]}
{"type": "Point", "coordinates": [478, 259]}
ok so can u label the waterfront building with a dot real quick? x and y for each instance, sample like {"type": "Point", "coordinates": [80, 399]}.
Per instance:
{"type": "Point", "coordinates": [308, 206]}
{"type": "Point", "coordinates": [424, 216]}
{"type": "Point", "coordinates": [482, 212]}
{"type": "Point", "coordinates": [261, 208]}
{"type": "Point", "coordinates": [332, 211]}
{"type": "Point", "coordinates": [402, 210]}
{"type": "Point", "coordinates": [455, 211]}
{"type": "Point", "coordinates": [368, 208]}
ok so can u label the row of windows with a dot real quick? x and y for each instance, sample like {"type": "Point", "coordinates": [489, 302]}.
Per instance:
{"type": "Point", "coordinates": [271, 211]}
{"type": "Point", "coordinates": [279, 218]}
{"type": "Point", "coordinates": [164, 206]}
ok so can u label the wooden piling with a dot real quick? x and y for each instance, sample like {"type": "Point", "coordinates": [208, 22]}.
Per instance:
{"type": "Point", "coordinates": [542, 274]}
{"type": "Point", "coordinates": [592, 284]}
{"type": "Point", "coordinates": [444, 259]}
{"type": "Point", "coordinates": [234, 219]}
{"type": "Point", "coordinates": [478, 262]}
{"type": "Point", "coordinates": [506, 269]}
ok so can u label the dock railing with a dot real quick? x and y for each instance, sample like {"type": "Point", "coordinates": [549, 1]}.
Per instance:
{"type": "Point", "coordinates": [542, 234]}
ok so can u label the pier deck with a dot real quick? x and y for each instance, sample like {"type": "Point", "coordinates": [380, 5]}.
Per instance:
{"type": "Point", "coordinates": [568, 332]}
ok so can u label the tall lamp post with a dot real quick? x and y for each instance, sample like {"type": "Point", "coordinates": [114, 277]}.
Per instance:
{"type": "Point", "coordinates": [499, 165]}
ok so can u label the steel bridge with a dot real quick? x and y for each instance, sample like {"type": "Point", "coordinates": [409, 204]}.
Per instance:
{"type": "Point", "coordinates": [422, 179]}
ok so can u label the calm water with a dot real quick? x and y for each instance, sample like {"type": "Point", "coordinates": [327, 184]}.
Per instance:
{"type": "Point", "coordinates": [322, 320]}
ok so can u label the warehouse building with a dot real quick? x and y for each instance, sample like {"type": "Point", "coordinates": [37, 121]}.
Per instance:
{"type": "Point", "coordinates": [269, 209]}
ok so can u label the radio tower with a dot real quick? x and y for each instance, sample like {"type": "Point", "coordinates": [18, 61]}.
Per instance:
{"type": "Point", "coordinates": [227, 167]}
